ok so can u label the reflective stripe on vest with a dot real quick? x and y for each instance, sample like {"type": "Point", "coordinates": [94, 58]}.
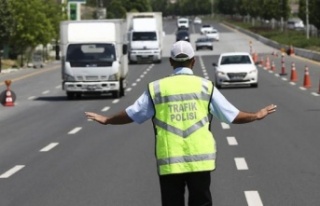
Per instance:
{"type": "Point", "coordinates": [184, 142]}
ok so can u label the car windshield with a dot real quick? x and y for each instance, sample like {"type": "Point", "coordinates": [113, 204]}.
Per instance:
{"type": "Point", "coordinates": [91, 52]}
{"type": "Point", "coordinates": [204, 40]}
{"type": "Point", "coordinates": [144, 36]}
{"type": "Point", "coordinates": [182, 33]}
{"type": "Point", "coordinates": [206, 26]}
{"type": "Point", "coordinates": [237, 59]}
{"type": "Point", "coordinates": [183, 22]}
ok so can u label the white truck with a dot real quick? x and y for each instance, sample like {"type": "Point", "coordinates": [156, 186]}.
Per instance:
{"type": "Point", "coordinates": [145, 36]}
{"type": "Point", "coordinates": [94, 57]}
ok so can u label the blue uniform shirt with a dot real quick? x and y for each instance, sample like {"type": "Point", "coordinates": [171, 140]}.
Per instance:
{"type": "Point", "coordinates": [220, 107]}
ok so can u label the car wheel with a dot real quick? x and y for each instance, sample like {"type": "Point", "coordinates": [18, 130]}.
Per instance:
{"type": "Point", "coordinates": [255, 85]}
{"type": "Point", "coordinates": [211, 48]}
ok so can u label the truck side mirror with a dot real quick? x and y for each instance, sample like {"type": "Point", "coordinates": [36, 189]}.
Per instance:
{"type": "Point", "coordinates": [124, 49]}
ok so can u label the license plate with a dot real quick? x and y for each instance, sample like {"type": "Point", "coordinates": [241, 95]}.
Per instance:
{"type": "Point", "coordinates": [91, 87]}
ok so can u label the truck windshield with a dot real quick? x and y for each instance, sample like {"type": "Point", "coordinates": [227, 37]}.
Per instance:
{"type": "Point", "coordinates": [97, 54]}
{"type": "Point", "coordinates": [144, 36]}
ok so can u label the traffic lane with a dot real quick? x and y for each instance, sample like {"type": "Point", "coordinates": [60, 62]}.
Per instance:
{"type": "Point", "coordinates": [99, 166]}
{"type": "Point", "coordinates": [279, 147]}
{"type": "Point", "coordinates": [35, 124]}
{"type": "Point", "coordinates": [271, 90]}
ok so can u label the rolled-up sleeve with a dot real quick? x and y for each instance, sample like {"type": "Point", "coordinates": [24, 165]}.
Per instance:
{"type": "Point", "coordinates": [142, 109]}
{"type": "Point", "coordinates": [221, 108]}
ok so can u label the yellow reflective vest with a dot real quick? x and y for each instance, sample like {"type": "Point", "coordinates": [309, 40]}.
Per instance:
{"type": "Point", "coordinates": [181, 121]}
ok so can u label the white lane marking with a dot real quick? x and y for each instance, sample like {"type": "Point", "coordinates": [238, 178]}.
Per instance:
{"type": "Point", "coordinates": [315, 94]}
{"type": "Point", "coordinates": [292, 83]}
{"type": "Point", "coordinates": [134, 84]}
{"type": "Point", "coordinates": [115, 101]}
{"type": "Point", "coordinates": [232, 141]}
{"type": "Point", "coordinates": [141, 76]}
{"type": "Point", "coordinates": [138, 80]}
{"type": "Point", "coordinates": [12, 171]}
{"type": "Point", "coordinates": [225, 125]}
{"type": "Point", "coordinates": [49, 147]}
{"type": "Point", "coordinates": [284, 78]}
{"type": "Point", "coordinates": [105, 109]}
{"type": "Point", "coordinates": [75, 130]}
{"type": "Point", "coordinates": [128, 89]}
{"type": "Point", "coordinates": [46, 92]}
{"type": "Point", "coordinates": [32, 98]}
{"type": "Point", "coordinates": [58, 87]}
{"type": "Point", "coordinates": [241, 163]}
{"type": "Point", "coordinates": [253, 198]}
{"type": "Point", "coordinates": [303, 88]}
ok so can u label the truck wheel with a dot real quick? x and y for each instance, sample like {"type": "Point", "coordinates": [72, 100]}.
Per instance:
{"type": "Point", "coordinates": [122, 89]}
{"type": "Point", "coordinates": [70, 95]}
{"type": "Point", "coordinates": [116, 94]}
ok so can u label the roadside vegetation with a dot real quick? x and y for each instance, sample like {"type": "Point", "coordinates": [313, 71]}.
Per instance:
{"type": "Point", "coordinates": [26, 24]}
{"type": "Point", "coordinates": [283, 36]}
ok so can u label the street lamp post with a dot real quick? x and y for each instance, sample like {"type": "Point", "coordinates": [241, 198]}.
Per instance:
{"type": "Point", "coordinates": [307, 18]}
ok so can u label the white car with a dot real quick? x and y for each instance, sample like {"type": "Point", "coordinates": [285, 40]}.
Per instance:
{"type": "Point", "coordinates": [197, 20]}
{"type": "Point", "coordinates": [213, 34]}
{"type": "Point", "coordinates": [205, 28]}
{"type": "Point", "coordinates": [235, 69]}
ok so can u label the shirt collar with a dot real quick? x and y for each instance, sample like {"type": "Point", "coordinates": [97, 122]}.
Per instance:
{"type": "Point", "coordinates": [182, 70]}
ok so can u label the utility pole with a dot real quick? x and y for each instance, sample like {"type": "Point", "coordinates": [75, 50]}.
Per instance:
{"type": "Point", "coordinates": [307, 18]}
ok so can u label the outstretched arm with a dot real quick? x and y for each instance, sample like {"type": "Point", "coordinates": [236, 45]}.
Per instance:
{"type": "Point", "coordinates": [120, 118]}
{"type": "Point", "coordinates": [246, 117]}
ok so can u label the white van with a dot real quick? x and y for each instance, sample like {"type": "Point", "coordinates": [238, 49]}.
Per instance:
{"type": "Point", "coordinates": [183, 23]}
{"type": "Point", "coordinates": [296, 24]}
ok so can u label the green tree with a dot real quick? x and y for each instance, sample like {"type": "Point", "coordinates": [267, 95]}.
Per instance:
{"type": "Point", "coordinates": [5, 23]}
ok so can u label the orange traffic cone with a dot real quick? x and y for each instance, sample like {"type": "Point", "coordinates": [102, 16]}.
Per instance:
{"type": "Point", "coordinates": [261, 61]}
{"type": "Point", "coordinates": [273, 66]}
{"type": "Point", "coordinates": [8, 102]}
{"type": "Point", "coordinates": [306, 80]}
{"type": "Point", "coordinates": [267, 63]}
{"type": "Point", "coordinates": [255, 57]}
{"type": "Point", "coordinates": [293, 77]}
{"type": "Point", "coordinates": [291, 50]}
{"type": "Point", "coordinates": [283, 66]}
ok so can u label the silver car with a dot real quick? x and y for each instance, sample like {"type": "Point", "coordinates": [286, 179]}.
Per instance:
{"type": "Point", "coordinates": [204, 43]}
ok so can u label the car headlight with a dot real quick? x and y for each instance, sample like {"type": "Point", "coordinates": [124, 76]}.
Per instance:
{"type": "Point", "coordinates": [220, 73]}
{"type": "Point", "coordinates": [253, 71]}
{"type": "Point", "coordinates": [113, 77]}
{"type": "Point", "coordinates": [69, 78]}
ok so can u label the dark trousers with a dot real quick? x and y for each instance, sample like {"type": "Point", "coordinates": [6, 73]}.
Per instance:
{"type": "Point", "coordinates": [173, 189]}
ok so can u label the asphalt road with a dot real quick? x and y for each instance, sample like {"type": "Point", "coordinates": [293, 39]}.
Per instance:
{"type": "Point", "coordinates": [51, 155]}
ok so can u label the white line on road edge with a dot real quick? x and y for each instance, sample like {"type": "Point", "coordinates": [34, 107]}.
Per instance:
{"type": "Point", "coordinates": [12, 171]}
{"type": "Point", "coordinates": [105, 109]}
{"type": "Point", "coordinates": [225, 125]}
{"type": "Point", "coordinates": [241, 163]}
{"type": "Point", "coordinates": [75, 130]}
{"type": "Point", "coordinates": [49, 147]}
{"type": "Point", "coordinates": [46, 92]}
{"type": "Point", "coordinates": [232, 141]}
{"type": "Point", "coordinates": [253, 198]}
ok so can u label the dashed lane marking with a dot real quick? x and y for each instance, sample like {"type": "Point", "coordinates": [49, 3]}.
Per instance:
{"type": "Point", "coordinates": [105, 109]}
{"type": "Point", "coordinates": [49, 147]}
{"type": "Point", "coordinates": [115, 101]}
{"type": "Point", "coordinates": [12, 171]}
{"type": "Point", "coordinates": [232, 141]}
{"type": "Point", "coordinates": [241, 163]}
{"type": "Point", "coordinates": [225, 125]}
{"type": "Point", "coordinates": [75, 130]}
{"type": "Point", "coordinates": [253, 198]}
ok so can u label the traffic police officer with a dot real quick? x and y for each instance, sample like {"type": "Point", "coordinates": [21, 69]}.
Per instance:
{"type": "Point", "coordinates": [181, 107]}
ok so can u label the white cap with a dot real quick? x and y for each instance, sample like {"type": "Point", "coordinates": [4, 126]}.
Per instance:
{"type": "Point", "coordinates": [184, 48]}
